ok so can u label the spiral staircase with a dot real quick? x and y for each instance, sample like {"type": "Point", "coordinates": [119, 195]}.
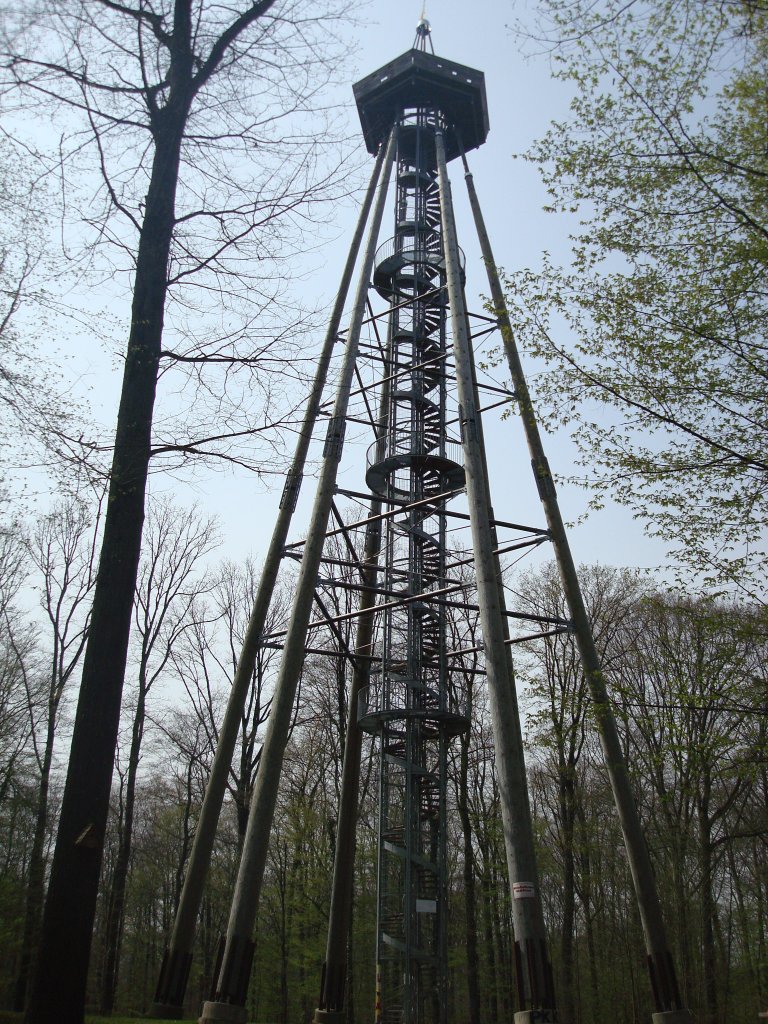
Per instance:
{"type": "Point", "coordinates": [409, 705]}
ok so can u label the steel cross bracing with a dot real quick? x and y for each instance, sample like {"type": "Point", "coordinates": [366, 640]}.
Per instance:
{"type": "Point", "coordinates": [411, 703]}
{"type": "Point", "coordinates": [423, 406]}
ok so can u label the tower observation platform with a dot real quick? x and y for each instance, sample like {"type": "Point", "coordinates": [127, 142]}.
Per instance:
{"type": "Point", "coordinates": [418, 79]}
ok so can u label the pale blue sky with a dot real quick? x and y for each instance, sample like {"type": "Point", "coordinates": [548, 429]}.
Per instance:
{"type": "Point", "coordinates": [522, 99]}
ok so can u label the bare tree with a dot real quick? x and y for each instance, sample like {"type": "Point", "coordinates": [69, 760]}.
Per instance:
{"type": "Point", "coordinates": [170, 98]}
{"type": "Point", "coordinates": [205, 662]}
{"type": "Point", "coordinates": [62, 549]}
{"type": "Point", "coordinates": [176, 539]}
{"type": "Point", "coordinates": [38, 424]}
{"type": "Point", "coordinates": [17, 662]}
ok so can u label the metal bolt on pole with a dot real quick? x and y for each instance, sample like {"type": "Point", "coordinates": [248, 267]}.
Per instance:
{"type": "Point", "coordinates": [230, 985]}
{"type": "Point", "coordinates": [669, 1004]}
{"type": "Point", "coordinates": [174, 972]}
{"type": "Point", "coordinates": [534, 980]}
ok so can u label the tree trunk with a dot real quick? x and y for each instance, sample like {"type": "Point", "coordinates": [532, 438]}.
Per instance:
{"type": "Point", "coordinates": [594, 987]}
{"type": "Point", "coordinates": [349, 1001]}
{"type": "Point", "coordinates": [490, 951]}
{"type": "Point", "coordinates": [36, 882]}
{"type": "Point", "coordinates": [567, 816]}
{"type": "Point", "coordinates": [116, 902]}
{"type": "Point", "coordinates": [283, 889]}
{"type": "Point", "coordinates": [470, 896]}
{"type": "Point", "coordinates": [59, 985]}
{"type": "Point", "coordinates": [587, 904]}
{"type": "Point", "coordinates": [708, 955]}
{"type": "Point", "coordinates": [744, 923]}
{"type": "Point", "coordinates": [503, 961]}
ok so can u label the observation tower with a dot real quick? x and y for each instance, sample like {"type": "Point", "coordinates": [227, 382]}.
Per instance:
{"type": "Point", "coordinates": [415, 467]}
{"type": "Point", "coordinates": [409, 378]}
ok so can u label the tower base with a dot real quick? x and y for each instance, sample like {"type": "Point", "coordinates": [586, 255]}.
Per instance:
{"type": "Point", "coordinates": [672, 1017]}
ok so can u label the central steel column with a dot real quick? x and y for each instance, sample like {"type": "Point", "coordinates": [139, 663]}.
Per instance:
{"type": "Point", "coordinates": [409, 705]}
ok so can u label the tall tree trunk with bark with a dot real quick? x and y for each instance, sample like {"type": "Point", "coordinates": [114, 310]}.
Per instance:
{"type": "Point", "coordinates": [59, 986]}
{"type": "Point", "coordinates": [116, 900]}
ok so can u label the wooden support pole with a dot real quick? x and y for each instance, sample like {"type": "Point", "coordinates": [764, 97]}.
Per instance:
{"type": "Point", "coordinates": [535, 990]}
{"type": "Point", "coordinates": [230, 986]}
{"type": "Point", "coordinates": [669, 1004]}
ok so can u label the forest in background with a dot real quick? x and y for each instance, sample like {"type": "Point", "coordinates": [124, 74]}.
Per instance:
{"type": "Point", "coordinates": [688, 682]}
{"type": "Point", "coordinates": [678, 196]}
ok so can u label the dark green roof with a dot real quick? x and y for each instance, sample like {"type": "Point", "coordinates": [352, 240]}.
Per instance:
{"type": "Point", "coordinates": [420, 79]}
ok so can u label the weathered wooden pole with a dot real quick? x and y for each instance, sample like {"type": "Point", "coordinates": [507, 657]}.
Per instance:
{"type": "Point", "coordinates": [670, 1008]}
{"type": "Point", "coordinates": [535, 990]}
{"type": "Point", "coordinates": [230, 986]}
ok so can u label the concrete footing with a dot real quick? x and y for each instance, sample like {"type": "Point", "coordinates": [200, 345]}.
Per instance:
{"type": "Point", "coordinates": [672, 1017]}
{"type": "Point", "coordinates": [222, 1013]}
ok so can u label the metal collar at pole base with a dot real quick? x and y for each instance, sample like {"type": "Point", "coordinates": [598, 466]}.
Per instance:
{"type": "Point", "coordinates": [225, 1013]}
{"type": "Point", "coordinates": [172, 984]}
{"type": "Point", "coordinates": [672, 1017]}
{"type": "Point", "coordinates": [536, 1017]}
{"type": "Point", "coordinates": [329, 1016]}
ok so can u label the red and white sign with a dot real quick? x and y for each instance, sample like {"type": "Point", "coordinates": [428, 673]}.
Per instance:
{"type": "Point", "coordinates": [523, 890]}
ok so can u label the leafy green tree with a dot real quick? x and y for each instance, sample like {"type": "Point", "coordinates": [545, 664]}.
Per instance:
{"type": "Point", "coordinates": [562, 734]}
{"type": "Point", "coordinates": [693, 710]}
{"type": "Point", "coordinates": [654, 334]}
{"type": "Point", "coordinates": [689, 692]}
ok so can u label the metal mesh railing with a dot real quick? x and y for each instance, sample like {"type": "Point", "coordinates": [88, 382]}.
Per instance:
{"type": "Point", "coordinates": [390, 696]}
{"type": "Point", "coordinates": [412, 442]}
{"type": "Point", "coordinates": [429, 250]}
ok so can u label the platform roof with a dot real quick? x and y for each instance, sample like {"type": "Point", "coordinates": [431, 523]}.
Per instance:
{"type": "Point", "coordinates": [420, 79]}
